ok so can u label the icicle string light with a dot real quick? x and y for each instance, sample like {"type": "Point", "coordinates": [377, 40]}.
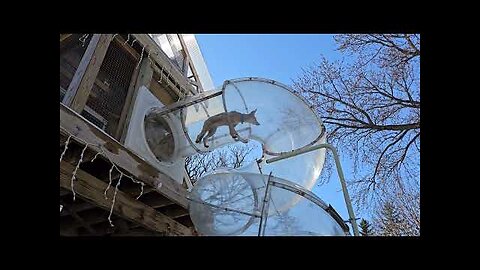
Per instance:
{"type": "Point", "coordinates": [161, 75]}
{"type": "Point", "coordinates": [141, 191]}
{"type": "Point", "coordinates": [126, 41]}
{"type": "Point", "coordinates": [76, 168]}
{"type": "Point", "coordinates": [105, 154]}
{"type": "Point", "coordinates": [98, 153]}
{"type": "Point", "coordinates": [148, 57]}
{"type": "Point", "coordinates": [137, 182]}
{"type": "Point", "coordinates": [66, 147]}
{"type": "Point", "coordinates": [141, 56]}
{"type": "Point", "coordinates": [83, 39]}
{"type": "Point", "coordinates": [131, 178]}
{"type": "Point", "coordinates": [110, 181]}
{"type": "Point", "coordinates": [101, 151]}
{"type": "Point", "coordinates": [113, 201]}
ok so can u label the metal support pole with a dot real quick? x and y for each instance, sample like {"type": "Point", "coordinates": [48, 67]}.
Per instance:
{"type": "Point", "coordinates": [346, 196]}
{"type": "Point", "coordinates": [265, 208]}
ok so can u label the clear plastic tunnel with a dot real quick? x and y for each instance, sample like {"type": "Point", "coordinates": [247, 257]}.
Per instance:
{"type": "Point", "coordinates": [231, 202]}
{"type": "Point", "coordinates": [227, 202]}
{"type": "Point", "coordinates": [286, 120]}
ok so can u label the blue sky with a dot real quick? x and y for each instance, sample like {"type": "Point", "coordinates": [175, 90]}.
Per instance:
{"type": "Point", "coordinates": [277, 57]}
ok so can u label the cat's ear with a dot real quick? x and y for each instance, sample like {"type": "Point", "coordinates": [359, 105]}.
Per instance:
{"type": "Point", "coordinates": [254, 111]}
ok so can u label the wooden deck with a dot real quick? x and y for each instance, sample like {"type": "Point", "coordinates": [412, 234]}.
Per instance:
{"type": "Point", "coordinates": [161, 210]}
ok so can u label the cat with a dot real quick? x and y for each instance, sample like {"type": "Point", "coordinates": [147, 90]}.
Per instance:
{"type": "Point", "coordinates": [230, 119]}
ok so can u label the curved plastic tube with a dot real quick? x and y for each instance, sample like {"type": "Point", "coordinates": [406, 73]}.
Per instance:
{"type": "Point", "coordinates": [287, 124]}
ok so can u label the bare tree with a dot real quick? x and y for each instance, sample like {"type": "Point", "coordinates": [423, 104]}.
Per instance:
{"type": "Point", "coordinates": [370, 104]}
{"type": "Point", "coordinates": [233, 156]}
{"type": "Point", "coordinates": [408, 206]}
{"type": "Point", "coordinates": [229, 194]}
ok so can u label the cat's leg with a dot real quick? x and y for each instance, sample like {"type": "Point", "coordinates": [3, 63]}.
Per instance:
{"type": "Point", "coordinates": [211, 132]}
{"type": "Point", "coordinates": [232, 130]}
{"type": "Point", "coordinates": [200, 136]}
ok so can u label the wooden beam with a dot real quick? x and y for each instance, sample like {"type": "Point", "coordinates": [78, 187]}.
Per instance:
{"type": "Point", "coordinates": [136, 232]}
{"type": "Point", "coordinates": [162, 59]}
{"type": "Point", "coordinates": [176, 51]}
{"type": "Point", "coordinates": [63, 139]}
{"type": "Point", "coordinates": [92, 189]}
{"type": "Point", "coordinates": [174, 211]}
{"type": "Point", "coordinates": [122, 226]}
{"type": "Point", "coordinates": [99, 83]}
{"type": "Point", "coordinates": [77, 207]}
{"type": "Point", "coordinates": [186, 63]}
{"type": "Point", "coordinates": [155, 200]}
{"type": "Point", "coordinates": [194, 70]}
{"type": "Point", "coordinates": [64, 192]}
{"type": "Point", "coordinates": [122, 126]}
{"type": "Point", "coordinates": [142, 76]}
{"type": "Point", "coordinates": [63, 37]}
{"type": "Point", "coordinates": [79, 89]}
{"type": "Point", "coordinates": [163, 93]}
{"type": "Point", "coordinates": [120, 41]}
{"type": "Point", "coordinates": [74, 214]}
{"type": "Point", "coordinates": [187, 221]}
{"type": "Point", "coordinates": [104, 228]}
{"type": "Point", "coordinates": [135, 189]}
{"type": "Point", "coordinates": [123, 157]}
{"type": "Point", "coordinates": [166, 83]}
{"type": "Point", "coordinates": [91, 217]}
{"type": "Point", "coordinates": [68, 231]}
{"type": "Point", "coordinates": [74, 151]}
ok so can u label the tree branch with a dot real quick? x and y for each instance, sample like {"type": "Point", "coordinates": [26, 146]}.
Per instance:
{"type": "Point", "coordinates": [385, 150]}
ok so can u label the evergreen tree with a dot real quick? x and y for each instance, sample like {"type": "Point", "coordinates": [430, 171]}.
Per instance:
{"type": "Point", "coordinates": [389, 221]}
{"type": "Point", "coordinates": [365, 228]}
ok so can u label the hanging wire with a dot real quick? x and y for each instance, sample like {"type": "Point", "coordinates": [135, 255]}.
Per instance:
{"type": "Point", "coordinates": [98, 153]}
{"type": "Point", "coordinates": [113, 200]}
{"type": "Point", "coordinates": [141, 56]}
{"type": "Point", "coordinates": [75, 171]}
{"type": "Point", "coordinates": [110, 181]}
{"type": "Point", "coordinates": [148, 57]}
{"type": "Point", "coordinates": [103, 153]}
{"type": "Point", "coordinates": [161, 75]}
{"type": "Point", "coordinates": [66, 147]}
{"type": "Point", "coordinates": [83, 39]}
{"type": "Point", "coordinates": [126, 41]}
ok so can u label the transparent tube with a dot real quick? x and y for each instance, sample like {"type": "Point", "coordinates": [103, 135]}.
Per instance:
{"type": "Point", "coordinates": [286, 123]}
{"type": "Point", "coordinates": [228, 202]}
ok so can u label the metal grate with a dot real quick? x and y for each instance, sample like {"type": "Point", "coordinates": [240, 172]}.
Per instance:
{"type": "Point", "coordinates": [71, 53]}
{"type": "Point", "coordinates": [94, 118]}
{"type": "Point", "coordinates": [109, 91]}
